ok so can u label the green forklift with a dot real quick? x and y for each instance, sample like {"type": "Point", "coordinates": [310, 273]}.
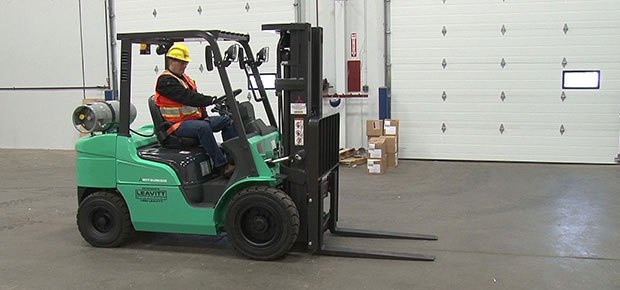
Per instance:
{"type": "Point", "coordinates": [283, 194]}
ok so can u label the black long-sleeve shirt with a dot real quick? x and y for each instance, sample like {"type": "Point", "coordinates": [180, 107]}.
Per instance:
{"type": "Point", "coordinates": [169, 87]}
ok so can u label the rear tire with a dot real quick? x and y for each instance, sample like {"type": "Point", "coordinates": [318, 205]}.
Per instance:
{"type": "Point", "coordinates": [262, 223]}
{"type": "Point", "coordinates": [103, 220]}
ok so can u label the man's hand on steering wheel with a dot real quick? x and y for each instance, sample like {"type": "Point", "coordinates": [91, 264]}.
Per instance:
{"type": "Point", "coordinates": [220, 103]}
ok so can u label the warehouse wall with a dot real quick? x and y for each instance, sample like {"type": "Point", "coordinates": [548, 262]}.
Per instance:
{"type": "Point", "coordinates": [339, 19]}
{"type": "Point", "coordinates": [482, 80]}
{"type": "Point", "coordinates": [65, 46]}
{"type": "Point", "coordinates": [52, 51]}
{"type": "Point", "coordinates": [236, 16]}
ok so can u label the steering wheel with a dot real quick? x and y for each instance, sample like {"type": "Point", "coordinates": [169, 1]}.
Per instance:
{"type": "Point", "coordinates": [220, 103]}
{"type": "Point", "coordinates": [221, 99]}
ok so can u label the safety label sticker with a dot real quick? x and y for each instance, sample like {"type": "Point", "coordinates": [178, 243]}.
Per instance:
{"type": "Point", "coordinates": [298, 109]}
{"type": "Point", "coordinates": [299, 132]}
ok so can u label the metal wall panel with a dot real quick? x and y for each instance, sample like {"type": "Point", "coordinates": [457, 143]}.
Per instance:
{"type": "Point", "coordinates": [43, 43]}
{"type": "Point", "coordinates": [481, 80]}
{"type": "Point", "coordinates": [237, 16]}
{"type": "Point", "coordinates": [96, 42]}
{"type": "Point", "coordinates": [59, 44]}
{"type": "Point", "coordinates": [39, 119]}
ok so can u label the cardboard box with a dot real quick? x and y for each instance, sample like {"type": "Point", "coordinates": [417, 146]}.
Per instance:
{"type": "Point", "coordinates": [377, 148]}
{"type": "Point", "coordinates": [390, 127]}
{"type": "Point", "coordinates": [376, 166]}
{"type": "Point", "coordinates": [392, 160]}
{"type": "Point", "coordinates": [374, 128]}
{"type": "Point", "coordinates": [391, 144]}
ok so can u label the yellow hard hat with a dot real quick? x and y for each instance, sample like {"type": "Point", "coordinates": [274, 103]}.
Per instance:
{"type": "Point", "coordinates": [179, 51]}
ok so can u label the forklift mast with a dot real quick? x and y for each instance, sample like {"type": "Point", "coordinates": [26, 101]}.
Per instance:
{"type": "Point", "coordinates": [298, 80]}
{"type": "Point", "coordinates": [311, 143]}
{"type": "Point", "coordinates": [308, 138]}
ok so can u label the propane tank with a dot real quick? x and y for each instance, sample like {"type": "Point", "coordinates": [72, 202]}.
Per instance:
{"type": "Point", "coordinates": [100, 117]}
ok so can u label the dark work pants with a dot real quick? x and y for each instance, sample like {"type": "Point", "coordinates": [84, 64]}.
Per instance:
{"type": "Point", "coordinates": [203, 130]}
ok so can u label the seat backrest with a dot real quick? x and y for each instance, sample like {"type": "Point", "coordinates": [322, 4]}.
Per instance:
{"type": "Point", "coordinates": [246, 110]}
{"type": "Point", "coordinates": [158, 120]}
{"type": "Point", "coordinates": [252, 125]}
{"type": "Point", "coordinates": [160, 126]}
{"type": "Point", "coordinates": [155, 113]}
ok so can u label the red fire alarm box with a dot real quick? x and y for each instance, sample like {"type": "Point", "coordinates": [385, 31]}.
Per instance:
{"type": "Point", "coordinates": [353, 75]}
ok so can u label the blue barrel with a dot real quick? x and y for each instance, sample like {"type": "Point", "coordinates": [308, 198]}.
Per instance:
{"type": "Point", "coordinates": [385, 103]}
{"type": "Point", "coordinates": [109, 95]}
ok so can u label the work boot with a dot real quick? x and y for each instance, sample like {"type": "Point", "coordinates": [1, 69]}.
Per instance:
{"type": "Point", "coordinates": [228, 170]}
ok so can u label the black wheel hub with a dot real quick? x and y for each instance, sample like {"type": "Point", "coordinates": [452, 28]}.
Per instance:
{"type": "Point", "coordinates": [259, 226]}
{"type": "Point", "coordinates": [101, 220]}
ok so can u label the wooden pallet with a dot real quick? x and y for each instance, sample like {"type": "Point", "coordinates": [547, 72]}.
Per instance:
{"type": "Point", "coordinates": [349, 158]}
{"type": "Point", "coordinates": [346, 153]}
{"type": "Point", "coordinates": [353, 161]}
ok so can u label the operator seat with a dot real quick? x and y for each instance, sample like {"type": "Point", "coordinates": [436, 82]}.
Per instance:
{"type": "Point", "coordinates": [160, 127]}
{"type": "Point", "coordinates": [253, 125]}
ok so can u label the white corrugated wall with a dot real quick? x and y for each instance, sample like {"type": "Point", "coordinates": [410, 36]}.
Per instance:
{"type": "Point", "coordinates": [481, 80]}
{"type": "Point", "coordinates": [236, 16]}
{"type": "Point", "coordinates": [51, 50]}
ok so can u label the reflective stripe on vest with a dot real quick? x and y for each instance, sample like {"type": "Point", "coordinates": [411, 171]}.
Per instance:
{"type": "Point", "coordinates": [176, 112]}
{"type": "Point", "coordinates": [171, 112]}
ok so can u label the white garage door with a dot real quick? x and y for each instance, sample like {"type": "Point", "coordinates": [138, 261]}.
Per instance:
{"type": "Point", "coordinates": [53, 55]}
{"type": "Point", "coordinates": [238, 16]}
{"type": "Point", "coordinates": [482, 80]}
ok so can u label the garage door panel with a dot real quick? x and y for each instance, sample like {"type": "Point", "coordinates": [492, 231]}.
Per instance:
{"type": "Point", "coordinates": [482, 75]}
{"type": "Point", "coordinates": [138, 16]}
{"type": "Point", "coordinates": [609, 73]}
{"type": "Point", "coordinates": [514, 134]}
{"type": "Point", "coordinates": [404, 45]}
{"type": "Point", "coordinates": [506, 153]}
{"type": "Point", "coordinates": [467, 84]}
{"type": "Point", "coordinates": [530, 145]}
{"type": "Point", "coordinates": [160, 15]}
{"type": "Point", "coordinates": [474, 80]}
{"type": "Point", "coordinates": [447, 89]}
{"type": "Point", "coordinates": [481, 139]}
{"type": "Point", "coordinates": [508, 50]}
{"type": "Point", "coordinates": [436, 119]}
{"type": "Point", "coordinates": [471, 153]}
{"type": "Point", "coordinates": [432, 95]}
{"type": "Point", "coordinates": [473, 126]}
{"type": "Point", "coordinates": [503, 152]}
{"type": "Point", "coordinates": [508, 113]}
{"type": "Point", "coordinates": [592, 111]}
{"type": "Point", "coordinates": [476, 7]}
{"type": "Point", "coordinates": [511, 19]}
{"type": "Point", "coordinates": [494, 97]}
{"type": "Point", "coordinates": [512, 65]}
{"type": "Point", "coordinates": [513, 138]}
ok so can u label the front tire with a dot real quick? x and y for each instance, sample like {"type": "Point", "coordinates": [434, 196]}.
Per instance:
{"type": "Point", "coordinates": [262, 223]}
{"type": "Point", "coordinates": [103, 220]}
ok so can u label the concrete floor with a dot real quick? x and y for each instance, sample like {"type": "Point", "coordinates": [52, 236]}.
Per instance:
{"type": "Point", "coordinates": [500, 226]}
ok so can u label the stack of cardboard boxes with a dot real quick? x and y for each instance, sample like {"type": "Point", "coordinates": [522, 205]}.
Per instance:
{"type": "Point", "coordinates": [382, 145]}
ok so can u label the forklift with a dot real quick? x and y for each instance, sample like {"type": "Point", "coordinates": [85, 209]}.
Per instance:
{"type": "Point", "coordinates": [283, 194]}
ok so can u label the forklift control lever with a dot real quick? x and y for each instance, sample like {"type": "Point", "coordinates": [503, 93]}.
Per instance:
{"type": "Point", "coordinates": [272, 162]}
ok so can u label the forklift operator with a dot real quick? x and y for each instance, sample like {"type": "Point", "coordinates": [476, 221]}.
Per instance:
{"type": "Point", "coordinates": [181, 104]}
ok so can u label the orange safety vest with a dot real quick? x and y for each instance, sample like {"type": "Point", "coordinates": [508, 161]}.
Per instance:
{"type": "Point", "coordinates": [175, 112]}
